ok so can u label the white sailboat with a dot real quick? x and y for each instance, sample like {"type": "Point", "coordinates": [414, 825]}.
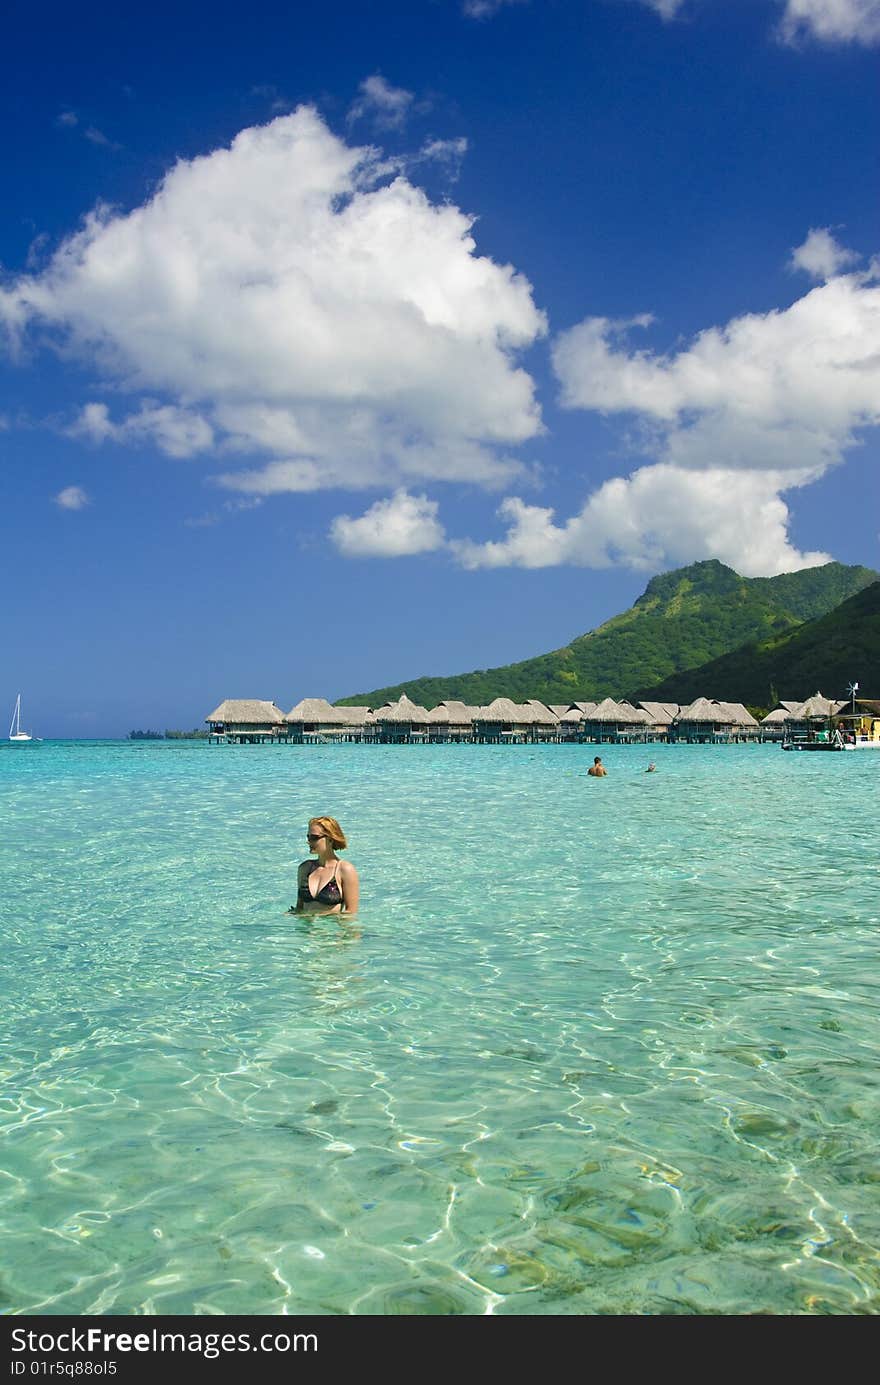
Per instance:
{"type": "Point", "coordinates": [15, 732]}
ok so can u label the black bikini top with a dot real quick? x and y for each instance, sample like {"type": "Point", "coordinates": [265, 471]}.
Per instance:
{"type": "Point", "coordinates": [328, 894]}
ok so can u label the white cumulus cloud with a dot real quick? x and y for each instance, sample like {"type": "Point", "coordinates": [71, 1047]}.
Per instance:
{"type": "Point", "coordinates": [732, 421]}
{"type": "Point", "coordinates": [283, 298]}
{"type": "Point", "coordinates": [783, 390]}
{"type": "Point", "coordinates": [661, 516]}
{"type": "Point", "coordinates": [832, 21]}
{"type": "Point", "coordinates": [402, 525]}
{"type": "Point", "coordinates": [386, 105]}
{"type": "Point", "coordinates": [821, 255]}
{"type": "Point", "coordinates": [72, 498]}
{"type": "Point", "coordinates": [176, 432]}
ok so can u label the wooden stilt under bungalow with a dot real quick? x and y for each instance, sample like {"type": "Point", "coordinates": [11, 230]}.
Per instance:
{"type": "Point", "coordinates": [245, 721]}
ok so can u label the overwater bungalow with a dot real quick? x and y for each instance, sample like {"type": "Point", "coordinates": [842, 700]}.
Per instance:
{"type": "Point", "coordinates": [545, 722]}
{"type": "Point", "coordinates": [403, 720]}
{"type": "Point", "coordinates": [616, 721]}
{"type": "Point", "coordinates": [709, 722]}
{"type": "Point", "coordinates": [315, 719]}
{"type": "Point", "coordinates": [451, 721]}
{"type": "Point", "coordinates": [503, 720]}
{"type": "Point", "coordinates": [816, 708]}
{"type": "Point", "coordinates": [358, 723]}
{"type": "Point", "coordinates": [808, 720]}
{"type": "Point", "coordinates": [310, 719]}
{"type": "Point", "coordinates": [571, 718]}
{"type": "Point", "coordinates": [748, 728]}
{"type": "Point", "coordinates": [246, 721]}
{"type": "Point", "coordinates": [661, 715]}
{"type": "Point", "coordinates": [773, 724]}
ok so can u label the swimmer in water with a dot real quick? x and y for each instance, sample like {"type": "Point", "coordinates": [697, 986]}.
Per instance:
{"type": "Point", "coordinates": [652, 768]}
{"type": "Point", "coordinates": [597, 769]}
{"type": "Point", "coordinates": [328, 885]}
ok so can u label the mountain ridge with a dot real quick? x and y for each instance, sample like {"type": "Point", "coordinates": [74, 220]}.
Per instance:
{"type": "Point", "coordinates": [819, 655]}
{"type": "Point", "coordinates": [683, 620]}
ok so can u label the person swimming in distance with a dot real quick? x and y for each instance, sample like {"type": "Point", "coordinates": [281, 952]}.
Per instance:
{"type": "Point", "coordinates": [652, 768]}
{"type": "Point", "coordinates": [328, 885]}
{"type": "Point", "coordinates": [597, 769]}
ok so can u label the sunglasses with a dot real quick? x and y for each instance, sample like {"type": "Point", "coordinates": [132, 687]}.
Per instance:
{"type": "Point", "coordinates": [315, 836]}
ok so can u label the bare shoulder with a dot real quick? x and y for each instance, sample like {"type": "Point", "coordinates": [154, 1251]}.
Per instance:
{"type": "Point", "coordinates": [347, 870]}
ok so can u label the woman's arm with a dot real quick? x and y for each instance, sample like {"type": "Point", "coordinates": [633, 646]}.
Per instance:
{"type": "Point", "coordinates": [351, 887]}
{"type": "Point", "coordinates": [300, 871]}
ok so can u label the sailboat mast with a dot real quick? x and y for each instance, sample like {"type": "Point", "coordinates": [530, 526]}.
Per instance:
{"type": "Point", "coordinates": [16, 718]}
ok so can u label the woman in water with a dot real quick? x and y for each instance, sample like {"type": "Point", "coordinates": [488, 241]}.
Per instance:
{"type": "Point", "coordinates": [328, 885]}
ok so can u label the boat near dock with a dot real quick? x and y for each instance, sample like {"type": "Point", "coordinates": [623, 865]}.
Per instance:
{"type": "Point", "coordinates": [855, 726]}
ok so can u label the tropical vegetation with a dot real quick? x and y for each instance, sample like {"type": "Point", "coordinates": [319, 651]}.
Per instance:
{"type": "Point", "coordinates": [684, 620]}
{"type": "Point", "coordinates": [820, 655]}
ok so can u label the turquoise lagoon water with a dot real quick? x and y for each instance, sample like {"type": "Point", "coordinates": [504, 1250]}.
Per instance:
{"type": "Point", "coordinates": [593, 1046]}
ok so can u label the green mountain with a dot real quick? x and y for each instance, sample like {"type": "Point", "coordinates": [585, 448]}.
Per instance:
{"type": "Point", "coordinates": [820, 655]}
{"type": "Point", "coordinates": [683, 620]}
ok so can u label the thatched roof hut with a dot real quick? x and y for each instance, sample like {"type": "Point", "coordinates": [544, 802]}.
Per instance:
{"type": "Point", "coordinates": [501, 709]}
{"type": "Point", "coordinates": [816, 708]}
{"type": "Point", "coordinates": [404, 710]}
{"type": "Point", "coordinates": [702, 711]}
{"type": "Point", "coordinates": [353, 716]}
{"type": "Point", "coordinates": [775, 721]}
{"type": "Point", "coordinates": [706, 718]}
{"type": "Point", "coordinates": [313, 709]}
{"type": "Point", "coordinates": [452, 713]}
{"type": "Point", "coordinates": [660, 713]}
{"type": "Point", "coordinates": [543, 715]}
{"type": "Point", "coordinates": [739, 714]}
{"type": "Point", "coordinates": [320, 716]}
{"type": "Point", "coordinates": [569, 713]}
{"type": "Point", "coordinates": [609, 712]}
{"type": "Point", "coordinates": [777, 717]}
{"type": "Point", "coordinates": [246, 712]}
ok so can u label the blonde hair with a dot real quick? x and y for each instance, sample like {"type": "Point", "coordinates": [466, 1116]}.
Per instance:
{"type": "Point", "coordinates": [333, 830]}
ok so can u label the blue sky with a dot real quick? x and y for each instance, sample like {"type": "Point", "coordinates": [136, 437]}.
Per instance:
{"type": "Point", "coordinates": [345, 344]}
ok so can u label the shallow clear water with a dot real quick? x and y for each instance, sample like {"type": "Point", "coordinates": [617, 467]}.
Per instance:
{"type": "Point", "coordinates": [593, 1046]}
